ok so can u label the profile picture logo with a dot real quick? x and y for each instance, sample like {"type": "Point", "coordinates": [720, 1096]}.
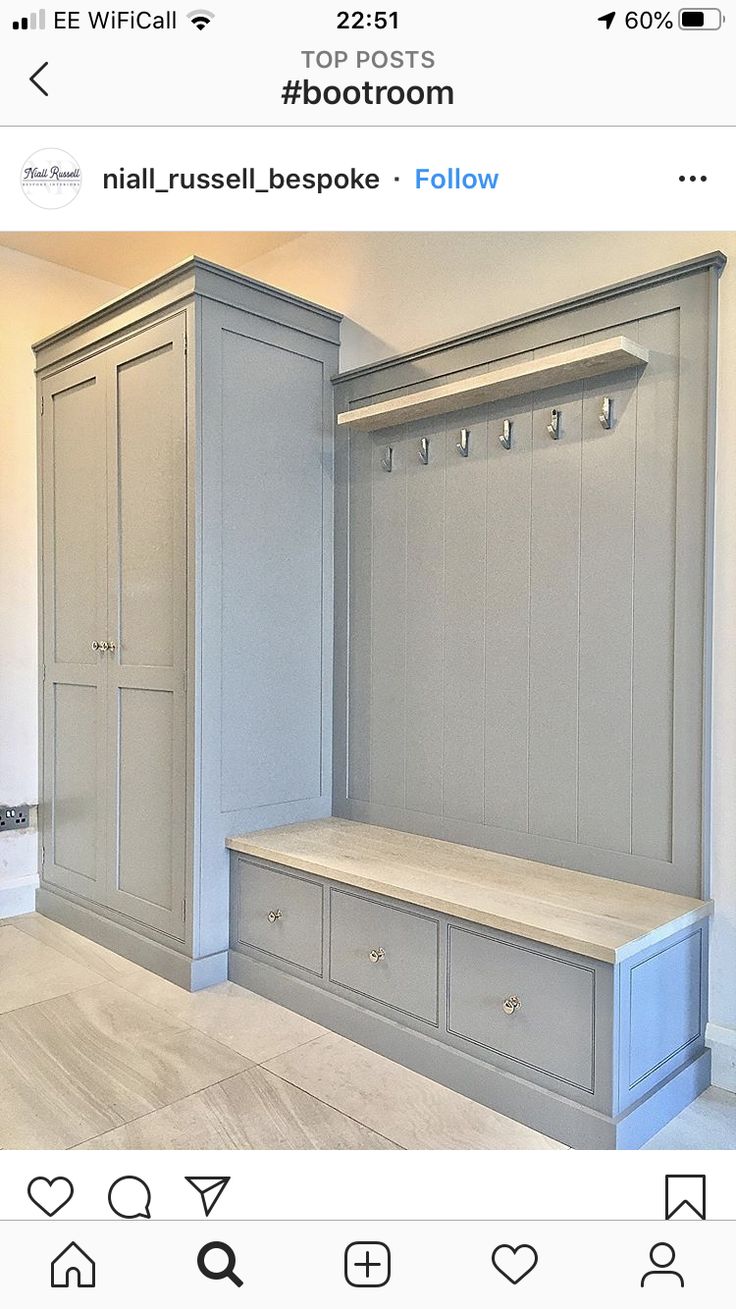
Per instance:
{"type": "Point", "coordinates": [51, 178]}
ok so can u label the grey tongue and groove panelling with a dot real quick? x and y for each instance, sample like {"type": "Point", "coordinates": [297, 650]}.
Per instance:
{"type": "Point", "coordinates": [525, 666]}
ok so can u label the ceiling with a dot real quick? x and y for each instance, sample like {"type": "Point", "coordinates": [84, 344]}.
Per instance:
{"type": "Point", "coordinates": [133, 257]}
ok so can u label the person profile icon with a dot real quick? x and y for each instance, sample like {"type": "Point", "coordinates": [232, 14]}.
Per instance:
{"type": "Point", "coordinates": [662, 1255]}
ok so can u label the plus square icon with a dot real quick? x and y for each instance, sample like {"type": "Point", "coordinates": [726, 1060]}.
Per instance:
{"type": "Point", "coordinates": [367, 1263]}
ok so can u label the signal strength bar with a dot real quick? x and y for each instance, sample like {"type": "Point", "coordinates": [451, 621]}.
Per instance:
{"type": "Point", "coordinates": [32, 23]}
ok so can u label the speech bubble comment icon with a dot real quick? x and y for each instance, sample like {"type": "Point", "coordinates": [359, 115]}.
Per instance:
{"type": "Point", "coordinates": [130, 1197]}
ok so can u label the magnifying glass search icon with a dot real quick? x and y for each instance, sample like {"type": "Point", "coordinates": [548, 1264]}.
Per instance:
{"type": "Point", "coordinates": [219, 1272]}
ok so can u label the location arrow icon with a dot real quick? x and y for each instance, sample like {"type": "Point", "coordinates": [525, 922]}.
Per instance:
{"type": "Point", "coordinates": [607, 19]}
{"type": "Point", "coordinates": [210, 1189]}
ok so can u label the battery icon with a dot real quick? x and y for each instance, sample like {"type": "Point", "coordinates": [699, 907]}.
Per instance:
{"type": "Point", "coordinates": [700, 20]}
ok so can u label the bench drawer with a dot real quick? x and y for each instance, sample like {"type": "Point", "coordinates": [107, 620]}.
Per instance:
{"type": "Point", "coordinates": [552, 1027]}
{"type": "Point", "coordinates": [281, 913]}
{"type": "Point", "coordinates": [390, 955]}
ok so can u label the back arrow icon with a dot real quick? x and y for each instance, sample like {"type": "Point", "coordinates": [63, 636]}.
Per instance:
{"type": "Point", "coordinates": [33, 77]}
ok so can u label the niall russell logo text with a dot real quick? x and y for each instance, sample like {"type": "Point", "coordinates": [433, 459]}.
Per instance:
{"type": "Point", "coordinates": [51, 178]}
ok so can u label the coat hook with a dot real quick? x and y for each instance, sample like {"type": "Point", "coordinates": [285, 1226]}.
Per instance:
{"type": "Point", "coordinates": [553, 426]}
{"type": "Point", "coordinates": [463, 444]}
{"type": "Point", "coordinates": [605, 417]}
{"type": "Point", "coordinates": [387, 459]}
{"type": "Point", "coordinates": [505, 436]}
{"type": "Point", "coordinates": [424, 450]}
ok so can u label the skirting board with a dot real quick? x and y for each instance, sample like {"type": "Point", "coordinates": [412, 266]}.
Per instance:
{"type": "Point", "coordinates": [191, 974]}
{"type": "Point", "coordinates": [551, 1114]}
{"type": "Point", "coordinates": [722, 1043]}
{"type": "Point", "coordinates": [15, 900]}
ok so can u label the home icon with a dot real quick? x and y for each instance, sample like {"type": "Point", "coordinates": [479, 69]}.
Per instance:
{"type": "Point", "coordinates": [73, 1267]}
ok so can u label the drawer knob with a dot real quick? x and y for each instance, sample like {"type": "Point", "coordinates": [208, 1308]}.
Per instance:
{"type": "Point", "coordinates": [511, 1004]}
{"type": "Point", "coordinates": [376, 956]}
{"type": "Point", "coordinates": [274, 915]}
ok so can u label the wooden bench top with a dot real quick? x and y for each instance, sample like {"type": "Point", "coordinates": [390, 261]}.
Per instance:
{"type": "Point", "coordinates": [592, 916]}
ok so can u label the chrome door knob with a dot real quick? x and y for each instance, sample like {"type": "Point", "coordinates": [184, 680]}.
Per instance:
{"type": "Point", "coordinates": [376, 956]}
{"type": "Point", "coordinates": [511, 1004]}
{"type": "Point", "coordinates": [274, 915]}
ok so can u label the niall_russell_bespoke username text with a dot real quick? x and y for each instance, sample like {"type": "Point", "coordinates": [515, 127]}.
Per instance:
{"type": "Point", "coordinates": [148, 179]}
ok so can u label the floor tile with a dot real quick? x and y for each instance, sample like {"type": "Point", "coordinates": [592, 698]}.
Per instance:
{"type": "Point", "coordinates": [103, 962]}
{"type": "Point", "coordinates": [256, 1028]}
{"type": "Point", "coordinates": [31, 972]}
{"type": "Point", "coordinates": [709, 1123]}
{"type": "Point", "coordinates": [84, 1063]}
{"type": "Point", "coordinates": [412, 1110]}
{"type": "Point", "coordinates": [253, 1111]}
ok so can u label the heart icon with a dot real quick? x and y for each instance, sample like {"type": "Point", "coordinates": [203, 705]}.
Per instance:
{"type": "Point", "coordinates": [514, 1262]}
{"type": "Point", "coordinates": [50, 1194]}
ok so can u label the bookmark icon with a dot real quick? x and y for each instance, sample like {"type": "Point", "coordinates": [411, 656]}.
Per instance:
{"type": "Point", "coordinates": [209, 1189]}
{"type": "Point", "coordinates": [684, 1195]}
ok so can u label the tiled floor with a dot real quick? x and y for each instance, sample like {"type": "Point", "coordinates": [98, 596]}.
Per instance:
{"type": "Point", "coordinates": [97, 1053]}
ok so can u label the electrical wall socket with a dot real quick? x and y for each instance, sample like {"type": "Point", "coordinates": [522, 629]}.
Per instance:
{"type": "Point", "coordinates": [13, 817]}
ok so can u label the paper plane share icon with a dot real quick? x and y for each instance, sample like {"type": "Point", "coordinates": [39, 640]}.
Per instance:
{"type": "Point", "coordinates": [210, 1189]}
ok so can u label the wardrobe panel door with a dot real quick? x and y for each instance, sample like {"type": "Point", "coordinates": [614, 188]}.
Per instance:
{"type": "Point", "coordinates": [75, 617]}
{"type": "Point", "coordinates": [146, 840]}
{"type": "Point", "coordinates": [147, 598]}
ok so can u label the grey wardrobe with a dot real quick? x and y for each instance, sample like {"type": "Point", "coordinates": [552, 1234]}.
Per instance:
{"type": "Point", "coordinates": [185, 445]}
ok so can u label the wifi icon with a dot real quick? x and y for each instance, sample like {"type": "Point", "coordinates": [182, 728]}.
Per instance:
{"type": "Point", "coordinates": [201, 18]}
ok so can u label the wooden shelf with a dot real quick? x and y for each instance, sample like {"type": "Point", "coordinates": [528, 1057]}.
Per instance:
{"type": "Point", "coordinates": [609, 356]}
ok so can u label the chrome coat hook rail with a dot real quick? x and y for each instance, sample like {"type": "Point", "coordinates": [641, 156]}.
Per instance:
{"type": "Point", "coordinates": [505, 436]}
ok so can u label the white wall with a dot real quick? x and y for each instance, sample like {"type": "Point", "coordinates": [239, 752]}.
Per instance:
{"type": "Point", "coordinates": [403, 290]}
{"type": "Point", "coordinates": [35, 298]}
{"type": "Point", "coordinates": [400, 290]}
{"type": "Point", "coordinates": [397, 291]}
